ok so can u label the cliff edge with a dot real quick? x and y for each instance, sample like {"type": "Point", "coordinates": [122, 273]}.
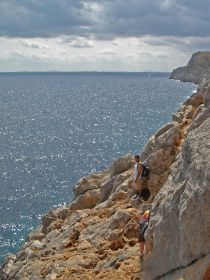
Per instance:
{"type": "Point", "coordinates": [95, 237]}
{"type": "Point", "coordinates": [197, 68]}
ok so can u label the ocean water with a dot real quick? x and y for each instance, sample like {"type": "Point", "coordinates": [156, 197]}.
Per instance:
{"type": "Point", "coordinates": [58, 127]}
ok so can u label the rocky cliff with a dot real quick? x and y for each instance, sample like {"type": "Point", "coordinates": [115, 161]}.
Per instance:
{"type": "Point", "coordinates": [197, 68]}
{"type": "Point", "coordinates": [95, 237]}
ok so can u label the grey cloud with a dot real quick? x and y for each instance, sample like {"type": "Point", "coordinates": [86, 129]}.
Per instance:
{"type": "Point", "coordinates": [188, 43]}
{"type": "Point", "coordinates": [76, 42]}
{"type": "Point", "coordinates": [106, 20]}
{"type": "Point", "coordinates": [43, 18]}
{"type": "Point", "coordinates": [34, 45]}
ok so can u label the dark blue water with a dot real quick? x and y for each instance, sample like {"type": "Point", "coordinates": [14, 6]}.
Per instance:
{"type": "Point", "coordinates": [56, 128]}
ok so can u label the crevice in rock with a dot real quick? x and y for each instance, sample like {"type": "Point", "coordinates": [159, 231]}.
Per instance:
{"type": "Point", "coordinates": [182, 267]}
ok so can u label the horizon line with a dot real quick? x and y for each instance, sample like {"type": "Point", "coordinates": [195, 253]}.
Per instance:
{"type": "Point", "coordinates": [57, 71]}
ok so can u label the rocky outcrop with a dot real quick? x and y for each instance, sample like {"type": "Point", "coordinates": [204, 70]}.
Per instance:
{"type": "Point", "coordinates": [95, 236]}
{"type": "Point", "coordinates": [97, 188]}
{"type": "Point", "coordinates": [197, 68]}
{"type": "Point", "coordinates": [178, 236]}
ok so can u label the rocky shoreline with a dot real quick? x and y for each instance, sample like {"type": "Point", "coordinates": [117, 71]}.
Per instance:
{"type": "Point", "coordinates": [95, 237]}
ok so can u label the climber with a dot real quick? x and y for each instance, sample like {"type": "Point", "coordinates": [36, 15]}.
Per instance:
{"type": "Point", "coordinates": [143, 225]}
{"type": "Point", "coordinates": [137, 177]}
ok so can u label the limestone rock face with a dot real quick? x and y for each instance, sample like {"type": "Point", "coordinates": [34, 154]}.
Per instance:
{"type": "Point", "coordinates": [159, 154]}
{"type": "Point", "coordinates": [204, 114]}
{"type": "Point", "coordinates": [180, 226]}
{"type": "Point", "coordinates": [207, 95]}
{"type": "Point", "coordinates": [169, 138]}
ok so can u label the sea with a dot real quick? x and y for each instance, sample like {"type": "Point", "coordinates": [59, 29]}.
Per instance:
{"type": "Point", "coordinates": [58, 127]}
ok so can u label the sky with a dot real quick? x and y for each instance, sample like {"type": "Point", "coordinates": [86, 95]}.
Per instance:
{"type": "Point", "coordinates": [103, 35]}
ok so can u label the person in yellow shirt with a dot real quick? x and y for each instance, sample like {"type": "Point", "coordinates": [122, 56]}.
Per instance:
{"type": "Point", "coordinates": [143, 225]}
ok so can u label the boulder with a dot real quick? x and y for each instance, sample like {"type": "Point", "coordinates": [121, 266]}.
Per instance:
{"type": "Point", "coordinates": [169, 138]}
{"type": "Point", "coordinates": [106, 189]}
{"type": "Point", "coordinates": [87, 200]}
{"type": "Point", "coordinates": [47, 219]}
{"type": "Point", "coordinates": [90, 183]}
{"type": "Point", "coordinates": [178, 117]}
{"type": "Point", "coordinates": [119, 220]}
{"type": "Point", "coordinates": [163, 129]}
{"type": "Point", "coordinates": [122, 164]}
{"type": "Point", "coordinates": [110, 186]}
{"type": "Point", "coordinates": [63, 213]}
{"type": "Point", "coordinates": [196, 99]}
{"type": "Point", "coordinates": [114, 234]}
{"type": "Point", "coordinates": [189, 111]}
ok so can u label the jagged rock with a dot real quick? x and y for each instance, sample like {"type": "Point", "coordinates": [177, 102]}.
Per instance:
{"type": "Point", "coordinates": [199, 119]}
{"type": "Point", "coordinates": [37, 245]}
{"type": "Point", "coordinates": [73, 237]}
{"type": "Point", "coordinates": [178, 117]}
{"type": "Point", "coordinates": [90, 183]}
{"type": "Point", "coordinates": [117, 244]}
{"type": "Point", "coordinates": [156, 182]}
{"type": "Point", "coordinates": [106, 189]}
{"type": "Point", "coordinates": [207, 96]}
{"type": "Point", "coordinates": [198, 111]}
{"type": "Point", "coordinates": [148, 149]}
{"type": "Point", "coordinates": [116, 184]}
{"type": "Point", "coordinates": [169, 138]}
{"type": "Point", "coordinates": [120, 195]}
{"type": "Point", "coordinates": [114, 234]}
{"type": "Point", "coordinates": [63, 213]}
{"type": "Point", "coordinates": [119, 219]}
{"type": "Point", "coordinates": [195, 100]}
{"type": "Point", "coordinates": [86, 201]}
{"type": "Point", "coordinates": [106, 204]}
{"type": "Point", "coordinates": [131, 230]}
{"type": "Point", "coordinates": [179, 228]}
{"type": "Point", "coordinates": [185, 113]}
{"type": "Point", "coordinates": [189, 111]}
{"type": "Point", "coordinates": [36, 234]}
{"type": "Point", "coordinates": [161, 160]}
{"type": "Point", "coordinates": [122, 164]}
{"type": "Point", "coordinates": [26, 254]}
{"type": "Point", "coordinates": [163, 129]}
{"type": "Point", "coordinates": [159, 154]}
{"type": "Point", "coordinates": [48, 219]}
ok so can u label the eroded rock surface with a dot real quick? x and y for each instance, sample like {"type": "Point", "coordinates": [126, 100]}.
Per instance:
{"type": "Point", "coordinates": [179, 230]}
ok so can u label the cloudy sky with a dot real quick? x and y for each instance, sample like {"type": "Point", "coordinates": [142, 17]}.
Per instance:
{"type": "Point", "coordinates": [103, 35]}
